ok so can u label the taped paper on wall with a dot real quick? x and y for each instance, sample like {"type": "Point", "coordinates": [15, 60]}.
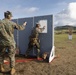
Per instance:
{"type": "Point", "coordinates": [43, 23]}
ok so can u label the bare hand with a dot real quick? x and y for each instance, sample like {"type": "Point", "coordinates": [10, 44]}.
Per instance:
{"type": "Point", "coordinates": [25, 23]}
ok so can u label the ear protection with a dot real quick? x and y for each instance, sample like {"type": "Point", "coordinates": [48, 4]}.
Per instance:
{"type": "Point", "coordinates": [7, 14]}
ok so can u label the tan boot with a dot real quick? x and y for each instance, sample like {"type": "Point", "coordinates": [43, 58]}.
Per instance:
{"type": "Point", "coordinates": [2, 68]}
{"type": "Point", "coordinates": [13, 71]}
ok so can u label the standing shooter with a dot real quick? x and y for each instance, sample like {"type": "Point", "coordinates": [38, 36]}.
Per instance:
{"type": "Point", "coordinates": [7, 40]}
{"type": "Point", "coordinates": [34, 40]}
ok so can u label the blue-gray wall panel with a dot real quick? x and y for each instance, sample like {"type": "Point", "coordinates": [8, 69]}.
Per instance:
{"type": "Point", "coordinates": [24, 35]}
{"type": "Point", "coordinates": [46, 39]}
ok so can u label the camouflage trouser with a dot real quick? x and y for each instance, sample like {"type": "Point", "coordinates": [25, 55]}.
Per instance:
{"type": "Point", "coordinates": [31, 45]}
{"type": "Point", "coordinates": [11, 54]}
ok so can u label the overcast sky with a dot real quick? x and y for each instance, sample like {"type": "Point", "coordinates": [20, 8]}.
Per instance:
{"type": "Point", "coordinates": [28, 8]}
{"type": "Point", "coordinates": [66, 16]}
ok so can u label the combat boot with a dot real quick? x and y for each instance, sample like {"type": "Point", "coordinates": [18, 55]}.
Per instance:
{"type": "Point", "coordinates": [2, 68]}
{"type": "Point", "coordinates": [13, 71]}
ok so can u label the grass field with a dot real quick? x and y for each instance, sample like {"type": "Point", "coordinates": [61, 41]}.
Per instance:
{"type": "Point", "coordinates": [66, 51]}
{"type": "Point", "coordinates": [64, 64]}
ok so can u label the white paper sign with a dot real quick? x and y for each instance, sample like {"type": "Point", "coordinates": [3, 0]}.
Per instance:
{"type": "Point", "coordinates": [43, 23]}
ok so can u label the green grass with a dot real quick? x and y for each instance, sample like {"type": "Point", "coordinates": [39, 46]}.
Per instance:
{"type": "Point", "coordinates": [65, 49]}
{"type": "Point", "coordinates": [62, 40]}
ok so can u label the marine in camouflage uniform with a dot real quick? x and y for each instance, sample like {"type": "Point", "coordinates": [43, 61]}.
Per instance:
{"type": "Point", "coordinates": [34, 40]}
{"type": "Point", "coordinates": [7, 39]}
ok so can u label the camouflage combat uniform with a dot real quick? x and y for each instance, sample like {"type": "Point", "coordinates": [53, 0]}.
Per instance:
{"type": "Point", "coordinates": [7, 40]}
{"type": "Point", "coordinates": [34, 41]}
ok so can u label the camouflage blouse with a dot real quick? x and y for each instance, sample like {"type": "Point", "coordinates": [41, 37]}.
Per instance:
{"type": "Point", "coordinates": [7, 32]}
